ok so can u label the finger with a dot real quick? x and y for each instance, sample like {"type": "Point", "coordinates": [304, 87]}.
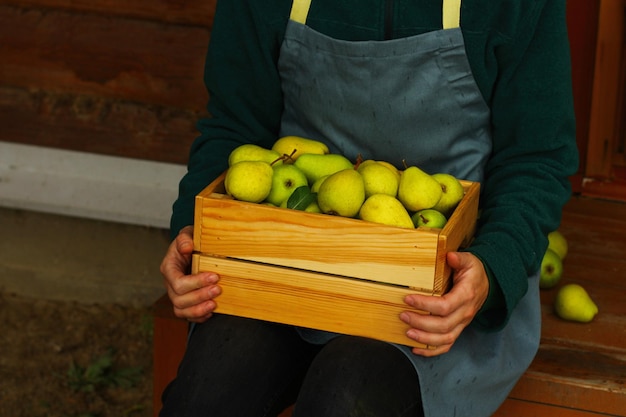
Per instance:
{"type": "Point", "coordinates": [184, 284]}
{"type": "Point", "coordinates": [198, 313]}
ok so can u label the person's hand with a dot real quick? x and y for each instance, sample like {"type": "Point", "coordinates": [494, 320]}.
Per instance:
{"type": "Point", "coordinates": [191, 294]}
{"type": "Point", "coordinates": [450, 313]}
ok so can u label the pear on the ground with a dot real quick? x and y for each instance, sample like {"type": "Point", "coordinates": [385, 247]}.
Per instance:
{"type": "Point", "coordinates": [285, 179]}
{"type": "Point", "coordinates": [385, 209]}
{"type": "Point", "coordinates": [551, 269]}
{"type": "Point", "coordinates": [418, 190]}
{"type": "Point", "coordinates": [295, 146]}
{"type": "Point", "coordinates": [429, 218]}
{"type": "Point", "coordinates": [572, 302]}
{"type": "Point", "coordinates": [379, 179]}
{"type": "Point", "coordinates": [451, 193]}
{"type": "Point", "coordinates": [342, 193]}
{"type": "Point", "coordinates": [316, 166]}
{"type": "Point", "coordinates": [249, 181]}
{"type": "Point", "coordinates": [558, 243]}
{"type": "Point", "coordinates": [252, 152]}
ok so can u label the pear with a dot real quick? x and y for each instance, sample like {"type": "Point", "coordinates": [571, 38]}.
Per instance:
{"type": "Point", "coordinates": [296, 146]}
{"type": "Point", "coordinates": [418, 190]}
{"type": "Point", "coordinates": [573, 303]}
{"type": "Point", "coordinates": [315, 187]}
{"type": "Point", "coordinates": [316, 166]}
{"type": "Point", "coordinates": [558, 243]}
{"type": "Point", "coordinates": [249, 181]}
{"type": "Point", "coordinates": [252, 152]}
{"type": "Point", "coordinates": [392, 167]}
{"type": "Point", "coordinates": [429, 218]}
{"type": "Point", "coordinates": [342, 193]}
{"type": "Point", "coordinates": [452, 193]}
{"type": "Point", "coordinates": [551, 269]}
{"type": "Point", "coordinates": [385, 209]}
{"type": "Point", "coordinates": [378, 179]}
{"type": "Point", "coordinates": [285, 179]}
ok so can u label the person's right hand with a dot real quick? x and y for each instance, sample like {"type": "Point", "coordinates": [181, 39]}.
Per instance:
{"type": "Point", "coordinates": [191, 294]}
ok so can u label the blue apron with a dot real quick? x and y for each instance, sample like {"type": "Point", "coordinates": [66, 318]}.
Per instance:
{"type": "Point", "coordinates": [411, 99]}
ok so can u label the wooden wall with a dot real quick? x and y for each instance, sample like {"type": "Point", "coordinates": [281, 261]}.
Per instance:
{"type": "Point", "coordinates": [111, 77]}
{"type": "Point", "coordinates": [125, 77]}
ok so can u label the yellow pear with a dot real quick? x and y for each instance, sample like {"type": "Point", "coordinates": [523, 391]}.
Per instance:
{"type": "Point", "coordinates": [252, 152]}
{"type": "Point", "coordinates": [573, 303]}
{"type": "Point", "coordinates": [558, 243]}
{"type": "Point", "coordinates": [249, 181]}
{"type": "Point", "coordinates": [418, 190]}
{"type": "Point", "coordinates": [452, 193]}
{"type": "Point", "coordinates": [392, 167]}
{"type": "Point", "coordinates": [342, 193]}
{"type": "Point", "coordinates": [379, 179]}
{"type": "Point", "coordinates": [385, 209]}
{"type": "Point", "coordinates": [316, 166]}
{"type": "Point", "coordinates": [296, 146]}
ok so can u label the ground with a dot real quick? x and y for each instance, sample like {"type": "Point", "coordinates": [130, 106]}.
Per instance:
{"type": "Point", "coordinates": [69, 359]}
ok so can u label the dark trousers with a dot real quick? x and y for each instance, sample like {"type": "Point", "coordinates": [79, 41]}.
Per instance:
{"type": "Point", "coordinates": [236, 367]}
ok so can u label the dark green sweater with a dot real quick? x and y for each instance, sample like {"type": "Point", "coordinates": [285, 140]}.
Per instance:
{"type": "Point", "coordinates": [519, 53]}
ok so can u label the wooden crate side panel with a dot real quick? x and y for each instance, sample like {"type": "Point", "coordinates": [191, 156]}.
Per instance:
{"type": "Point", "coordinates": [318, 242]}
{"type": "Point", "coordinates": [307, 299]}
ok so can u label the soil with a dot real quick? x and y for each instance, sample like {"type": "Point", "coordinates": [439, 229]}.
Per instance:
{"type": "Point", "coordinates": [69, 359]}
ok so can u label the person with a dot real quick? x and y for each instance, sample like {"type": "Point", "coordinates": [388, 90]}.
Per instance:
{"type": "Point", "coordinates": [480, 89]}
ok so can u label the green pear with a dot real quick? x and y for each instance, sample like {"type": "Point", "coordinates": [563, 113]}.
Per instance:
{"type": "Point", "coordinates": [317, 166]}
{"type": "Point", "coordinates": [418, 190]}
{"type": "Point", "coordinates": [429, 218]}
{"type": "Point", "coordinates": [313, 208]}
{"type": "Point", "coordinates": [252, 152]}
{"type": "Point", "coordinates": [378, 179]}
{"type": "Point", "coordinates": [452, 193]}
{"type": "Point", "coordinates": [572, 302]}
{"type": "Point", "coordinates": [385, 209]}
{"type": "Point", "coordinates": [285, 180]}
{"type": "Point", "coordinates": [551, 269]}
{"type": "Point", "coordinates": [316, 185]}
{"type": "Point", "coordinates": [342, 193]}
{"type": "Point", "coordinates": [295, 146]}
{"type": "Point", "coordinates": [558, 243]}
{"type": "Point", "coordinates": [249, 181]}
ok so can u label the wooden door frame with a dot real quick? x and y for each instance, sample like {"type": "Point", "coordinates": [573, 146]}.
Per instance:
{"type": "Point", "coordinates": [600, 179]}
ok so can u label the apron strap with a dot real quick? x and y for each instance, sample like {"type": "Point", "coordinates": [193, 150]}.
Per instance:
{"type": "Point", "coordinates": [451, 14]}
{"type": "Point", "coordinates": [300, 10]}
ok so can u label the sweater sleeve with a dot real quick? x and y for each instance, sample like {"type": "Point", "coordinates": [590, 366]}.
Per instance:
{"type": "Point", "coordinates": [245, 101]}
{"type": "Point", "coordinates": [534, 152]}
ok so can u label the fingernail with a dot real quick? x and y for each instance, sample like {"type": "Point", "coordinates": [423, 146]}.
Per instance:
{"type": "Point", "coordinates": [405, 317]}
{"type": "Point", "coordinates": [215, 291]}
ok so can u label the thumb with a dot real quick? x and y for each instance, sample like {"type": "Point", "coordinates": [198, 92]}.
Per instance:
{"type": "Point", "coordinates": [458, 260]}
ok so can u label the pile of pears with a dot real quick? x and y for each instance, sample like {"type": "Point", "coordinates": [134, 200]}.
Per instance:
{"type": "Point", "coordinates": [572, 302]}
{"type": "Point", "coordinates": [302, 174]}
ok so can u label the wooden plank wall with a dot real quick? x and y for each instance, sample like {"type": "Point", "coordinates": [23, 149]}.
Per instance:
{"type": "Point", "coordinates": [125, 77]}
{"type": "Point", "coordinates": [111, 77]}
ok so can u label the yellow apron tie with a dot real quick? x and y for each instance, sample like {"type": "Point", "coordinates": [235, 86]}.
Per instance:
{"type": "Point", "coordinates": [451, 14]}
{"type": "Point", "coordinates": [300, 10]}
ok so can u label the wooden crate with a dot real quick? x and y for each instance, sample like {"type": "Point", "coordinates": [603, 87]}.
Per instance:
{"type": "Point", "coordinates": [320, 271]}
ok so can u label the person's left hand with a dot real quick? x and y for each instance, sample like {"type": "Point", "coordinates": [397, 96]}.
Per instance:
{"type": "Point", "coordinates": [450, 313]}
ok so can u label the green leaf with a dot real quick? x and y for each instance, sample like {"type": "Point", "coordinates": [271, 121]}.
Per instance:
{"type": "Point", "coordinates": [301, 198]}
